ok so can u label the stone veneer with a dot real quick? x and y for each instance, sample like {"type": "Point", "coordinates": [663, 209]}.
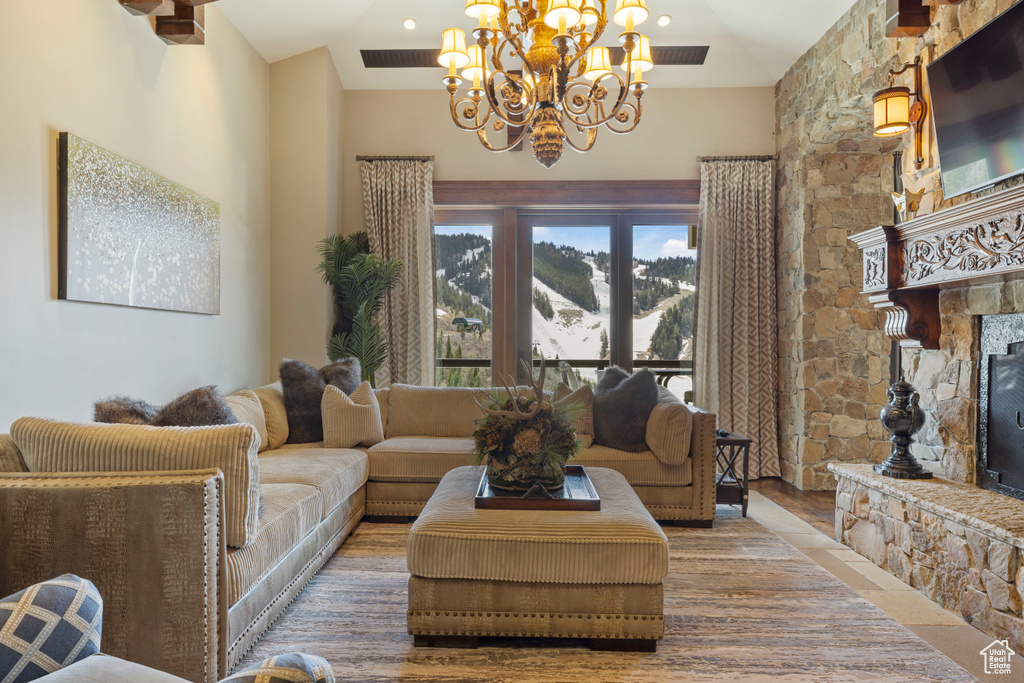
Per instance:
{"type": "Point", "coordinates": [834, 179]}
{"type": "Point", "coordinates": [956, 543]}
{"type": "Point", "coordinates": [947, 379]}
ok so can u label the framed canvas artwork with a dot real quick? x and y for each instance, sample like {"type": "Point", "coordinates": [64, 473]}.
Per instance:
{"type": "Point", "coordinates": [130, 237]}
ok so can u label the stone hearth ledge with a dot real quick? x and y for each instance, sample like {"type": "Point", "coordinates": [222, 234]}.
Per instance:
{"type": "Point", "coordinates": [993, 514]}
{"type": "Point", "coordinates": [958, 544]}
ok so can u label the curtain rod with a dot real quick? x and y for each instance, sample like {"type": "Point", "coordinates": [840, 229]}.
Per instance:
{"type": "Point", "coordinates": [761, 157]}
{"type": "Point", "coordinates": [372, 158]}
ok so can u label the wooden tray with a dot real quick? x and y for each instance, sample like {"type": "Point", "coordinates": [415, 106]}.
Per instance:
{"type": "Point", "coordinates": [577, 494]}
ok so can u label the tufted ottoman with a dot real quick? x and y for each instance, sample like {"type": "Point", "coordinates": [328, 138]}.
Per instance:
{"type": "Point", "coordinates": [548, 574]}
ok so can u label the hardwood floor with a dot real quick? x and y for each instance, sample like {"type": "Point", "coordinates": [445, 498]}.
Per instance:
{"type": "Point", "coordinates": [817, 508]}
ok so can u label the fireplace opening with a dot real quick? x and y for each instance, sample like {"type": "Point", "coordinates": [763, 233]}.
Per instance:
{"type": "Point", "coordinates": [1001, 415]}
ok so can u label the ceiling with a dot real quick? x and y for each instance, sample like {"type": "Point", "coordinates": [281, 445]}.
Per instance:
{"type": "Point", "coordinates": [753, 42]}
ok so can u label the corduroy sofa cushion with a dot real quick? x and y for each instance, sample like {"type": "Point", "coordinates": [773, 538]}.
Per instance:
{"type": "Point", "coordinates": [351, 420]}
{"type": "Point", "coordinates": [583, 397]}
{"type": "Point", "coordinates": [432, 411]}
{"type": "Point", "coordinates": [418, 459]}
{"type": "Point", "coordinates": [290, 511]}
{"type": "Point", "coordinates": [639, 469]}
{"type": "Point", "coordinates": [669, 429]}
{"type": "Point", "coordinates": [621, 543]}
{"type": "Point", "coordinates": [275, 414]}
{"type": "Point", "coordinates": [53, 446]}
{"type": "Point", "coordinates": [247, 408]}
{"type": "Point", "coordinates": [337, 473]}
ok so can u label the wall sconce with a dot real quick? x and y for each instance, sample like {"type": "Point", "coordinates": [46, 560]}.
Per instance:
{"type": "Point", "coordinates": [894, 112]}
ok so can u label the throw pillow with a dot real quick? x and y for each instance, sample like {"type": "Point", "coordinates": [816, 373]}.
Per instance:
{"type": "Point", "coordinates": [669, 429]}
{"type": "Point", "coordinates": [622, 404]}
{"type": "Point", "coordinates": [346, 374]}
{"type": "Point", "coordinates": [303, 388]}
{"type": "Point", "coordinates": [248, 409]}
{"type": "Point", "coordinates": [351, 420]}
{"type": "Point", "coordinates": [272, 398]}
{"type": "Point", "coordinates": [124, 410]}
{"type": "Point", "coordinates": [293, 667]}
{"type": "Point", "coordinates": [200, 407]}
{"type": "Point", "coordinates": [49, 626]}
{"type": "Point", "coordinates": [583, 420]}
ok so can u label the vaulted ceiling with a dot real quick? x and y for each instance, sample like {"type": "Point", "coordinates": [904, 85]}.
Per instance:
{"type": "Point", "coordinates": [752, 42]}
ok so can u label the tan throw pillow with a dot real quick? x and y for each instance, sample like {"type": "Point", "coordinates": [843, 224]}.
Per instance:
{"type": "Point", "coordinates": [247, 408]}
{"type": "Point", "coordinates": [351, 420]}
{"type": "Point", "coordinates": [584, 422]}
{"type": "Point", "coordinates": [669, 429]}
{"type": "Point", "coordinates": [272, 399]}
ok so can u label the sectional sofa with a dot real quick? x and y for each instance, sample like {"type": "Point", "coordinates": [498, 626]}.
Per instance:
{"type": "Point", "coordinates": [199, 537]}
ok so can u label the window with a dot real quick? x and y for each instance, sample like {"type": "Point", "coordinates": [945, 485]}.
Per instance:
{"type": "Point", "coordinates": [589, 288]}
{"type": "Point", "coordinates": [571, 285]}
{"type": "Point", "coordinates": [664, 299]}
{"type": "Point", "coordinates": [464, 323]}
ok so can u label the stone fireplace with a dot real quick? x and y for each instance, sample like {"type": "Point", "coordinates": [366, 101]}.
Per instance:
{"type": "Point", "coordinates": [951, 286]}
{"type": "Point", "coordinates": [1001, 401]}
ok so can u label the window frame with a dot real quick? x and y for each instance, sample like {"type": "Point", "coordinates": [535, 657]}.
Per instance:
{"type": "Point", "coordinates": [512, 206]}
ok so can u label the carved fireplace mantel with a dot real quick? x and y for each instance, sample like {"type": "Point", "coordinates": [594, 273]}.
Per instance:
{"type": "Point", "coordinates": [906, 266]}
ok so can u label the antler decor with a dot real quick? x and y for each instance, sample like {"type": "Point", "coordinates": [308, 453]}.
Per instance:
{"type": "Point", "coordinates": [517, 413]}
{"type": "Point", "coordinates": [525, 444]}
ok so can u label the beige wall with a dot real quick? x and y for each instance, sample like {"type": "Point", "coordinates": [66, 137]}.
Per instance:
{"type": "Point", "coordinates": [197, 116]}
{"type": "Point", "coordinates": [305, 141]}
{"type": "Point", "coordinates": [677, 125]}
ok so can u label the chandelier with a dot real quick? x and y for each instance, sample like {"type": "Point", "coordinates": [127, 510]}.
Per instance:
{"type": "Point", "coordinates": [536, 67]}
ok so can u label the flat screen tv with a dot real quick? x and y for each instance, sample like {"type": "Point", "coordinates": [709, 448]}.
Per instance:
{"type": "Point", "coordinates": [977, 100]}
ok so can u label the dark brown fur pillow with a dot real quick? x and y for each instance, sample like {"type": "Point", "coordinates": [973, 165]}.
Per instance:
{"type": "Point", "coordinates": [124, 410]}
{"type": "Point", "coordinates": [197, 408]}
{"type": "Point", "coordinates": [622, 405]}
{"type": "Point", "coordinates": [346, 374]}
{"type": "Point", "coordinates": [303, 388]}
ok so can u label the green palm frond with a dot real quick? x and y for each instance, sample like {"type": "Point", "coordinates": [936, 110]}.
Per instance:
{"type": "Point", "coordinates": [366, 342]}
{"type": "Point", "coordinates": [360, 281]}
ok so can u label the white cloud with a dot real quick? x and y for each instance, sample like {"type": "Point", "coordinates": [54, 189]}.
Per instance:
{"type": "Point", "coordinates": [540, 231]}
{"type": "Point", "coordinates": [676, 248]}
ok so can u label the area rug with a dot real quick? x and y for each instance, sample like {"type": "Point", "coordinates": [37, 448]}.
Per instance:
{"type": "Point", "coordinates": [741, 604]}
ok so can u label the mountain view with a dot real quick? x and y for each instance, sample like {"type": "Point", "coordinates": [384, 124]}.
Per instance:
{"type": "Point", "coordinates": [571, 297]}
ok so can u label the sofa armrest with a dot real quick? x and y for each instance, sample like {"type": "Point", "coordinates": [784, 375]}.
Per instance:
{"type": "Point", "coordinates": [151, 542]}
{"type": "Point", "coordinates": [702, 456]}
{"type": "Point", "coordinates": [10, 455]}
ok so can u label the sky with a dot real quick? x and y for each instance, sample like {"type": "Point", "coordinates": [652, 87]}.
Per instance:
{"type": "Point", "coordinates": [649, 241]}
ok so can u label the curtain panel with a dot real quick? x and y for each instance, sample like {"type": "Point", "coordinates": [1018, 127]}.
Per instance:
{"type": "Point", "coordinates": [736, 347]}
{"type": "Point", "coordinates": [398, 203]}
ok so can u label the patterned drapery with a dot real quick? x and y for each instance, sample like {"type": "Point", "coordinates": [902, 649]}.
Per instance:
{"type": "Point", "coordinates": [398, 203]}
{"type": "Point", "coordinates": [736, 355]}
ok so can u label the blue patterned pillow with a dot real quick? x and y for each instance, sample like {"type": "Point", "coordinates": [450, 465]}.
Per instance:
{"type": "Point", "coordinates": [47, 627]}
{"type": "Point", "coordinates": [293, 667]}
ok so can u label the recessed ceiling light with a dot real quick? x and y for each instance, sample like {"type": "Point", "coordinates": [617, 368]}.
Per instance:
{"type": "Point", "coordinates": [409, 23]}
{"type": "Point", "coordinates": [664, 20]}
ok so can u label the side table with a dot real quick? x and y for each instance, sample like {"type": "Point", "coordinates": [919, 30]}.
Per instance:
{"type": "Point", "coordinates": [732, 451]}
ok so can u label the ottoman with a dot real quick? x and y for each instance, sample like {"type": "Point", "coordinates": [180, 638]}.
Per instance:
{"type": "Point", "coordinates": [536, 573]}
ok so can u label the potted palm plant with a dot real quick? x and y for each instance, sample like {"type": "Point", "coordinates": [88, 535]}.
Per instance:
{"type": "Point", "coordinates": [359, 280]}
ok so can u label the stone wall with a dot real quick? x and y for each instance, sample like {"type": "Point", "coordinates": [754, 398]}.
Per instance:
{"type": "Point", "coordinates": [834, 180]}
{"type": "Point", "coordinates": [965, 564]}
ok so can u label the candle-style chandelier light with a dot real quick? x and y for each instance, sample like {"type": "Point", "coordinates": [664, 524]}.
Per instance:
{"type": "Point", "coordinates": [536, 67]}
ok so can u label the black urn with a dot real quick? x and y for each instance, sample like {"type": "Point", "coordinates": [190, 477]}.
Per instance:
{"type": "Point", "coordinates": [902, 417]}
